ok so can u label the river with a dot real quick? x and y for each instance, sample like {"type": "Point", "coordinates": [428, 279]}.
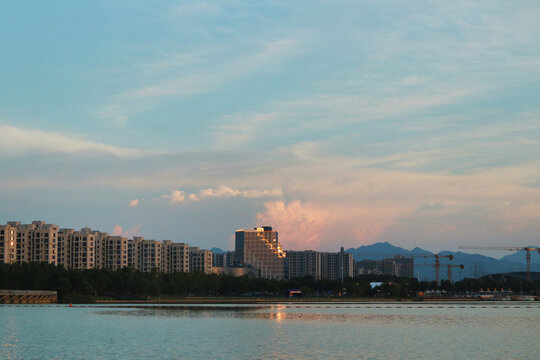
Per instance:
{"type": "Point", "coordinates": [496, 330]}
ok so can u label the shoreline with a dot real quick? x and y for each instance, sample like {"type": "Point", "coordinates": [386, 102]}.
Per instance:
{"type": "Point", "coordinates": [295, 301]}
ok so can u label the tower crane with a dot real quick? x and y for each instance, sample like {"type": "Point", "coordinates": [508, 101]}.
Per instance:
{"type": "Point", "coordinates": [527, 250]}
{"type": "Point", "coordinates": [437, 264]}
{"type": "Point", "coordinates": [450, 266]}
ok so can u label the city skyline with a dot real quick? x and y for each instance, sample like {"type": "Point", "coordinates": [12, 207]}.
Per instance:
{"type": "Point", "coordinates": [336, 123]}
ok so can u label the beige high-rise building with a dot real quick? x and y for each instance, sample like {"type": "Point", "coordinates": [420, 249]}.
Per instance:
{"type": "Point", "coordinates": [133, 253]}
{"type": "Point", "coordinates": [36, 242]}
{"type": "Point", "coordinates": [144, 255]}
{"type": "Point", "coordinates": [23, 241]}
{"type": "Point", "coordinates": [200, 260]}
{"type": "Point", "coordinates": [100, 249]}
{"type": "Point", "coordinates": [87, 249]}
{"type": "Point", "coordinates": [260, 249]}
{"type": "Point", "coordinates": [174, 257]}
{"type": "Point", "coordinates": [64, 247]}
{"type": "Point", "coordinates": [114, 252]}
{"type": "Point", "coordinates": [82, 254]}
{"type": "Point", "coordinates": [8, 245]}
{"type": "Point", "coordinates": [43, 239]}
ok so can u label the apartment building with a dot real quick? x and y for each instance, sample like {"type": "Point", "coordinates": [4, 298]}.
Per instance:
{"type": "Point", "coordinates": [114, 252]}
{"type": "Point", "coordinates": [82, 249]}
{"type": "Point", "coordinates": [38, 242]}
{"type": "Point", "coordinates": [175, 257]}
{"type": "Point", "coordinates": [260, 249]}
{"type": "Point", "coordinates": [337, 266]}
{"type": "Point", "coordinates": [64, 247]}
{"type": "Point", "coordinates": [398, 265]}
{"type": "Point", "coordinates": [303, 263]}
{"type": "Point", "coordinates": [149, 254]}
{"type": "Point", "coordinates": [87, 249]}
{"type": "Point", "coordinates": [226, 259]}
{"type": "Point", "coordinates": [200, 260]}
{"type": "Point", "coordinates": [8, 236]}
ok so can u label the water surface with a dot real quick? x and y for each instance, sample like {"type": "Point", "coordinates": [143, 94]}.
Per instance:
{"type": "Point", "coordinates": [279, 331]}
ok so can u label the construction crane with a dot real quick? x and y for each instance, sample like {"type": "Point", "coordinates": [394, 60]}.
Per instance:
{"type": "Point", "coordinates": [437, 264]}
{"type": "Point", "coordinates": [437, 257]}
{"type": "Point", "coordinates": [450, 266]}
{"type": "Point", "coordinates": [527, 250]}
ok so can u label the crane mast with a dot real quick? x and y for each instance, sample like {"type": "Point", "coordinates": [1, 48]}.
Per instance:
{"type": "Point", "coordinates": [527, 250]}
{"type": "Point", "coordinates": [438, 264]}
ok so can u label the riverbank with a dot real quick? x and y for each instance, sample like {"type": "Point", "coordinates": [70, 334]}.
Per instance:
{"type": "Point", "coordinates": [281, 300]}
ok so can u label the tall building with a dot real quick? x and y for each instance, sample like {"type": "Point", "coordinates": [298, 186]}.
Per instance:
{"type": "Point", "coordinates": [148, 254]}
{"type": "Point", "coordinates": [226, 259]}
{"type": "Point", "coordinates": [87, 249]}
{"type": "Point", "coordinates": [22, 242]}
{"type": "Point", "coordinates": [42, 238]}
{"type": "Point", "coordinates": [82, 249]}
{"type": "Point", "coordinates": [133, 253]}
{"type": "Point", "coordinates": [65, 237]}
{"type": "Point", "coordinates": [174, 257]}
{"type": "Point", "coordinates": [36, 242]}
{"type": "Point", "coordinates": [8, 247]}
{"type": "Point", "coordinates": [260, 249]}
{"type": "Point", "coordinates": [200, 260]}
{"type": "Point", "coordinates": [337, 266]}
{"type": "Point", "coordinates": [303, 263]}
{"type": "Point", "coordinates": [398, 266]}
{"type": "Point", "coordinates": [114, 253]}
{"type": "Point", "coordinates": [367, 267]}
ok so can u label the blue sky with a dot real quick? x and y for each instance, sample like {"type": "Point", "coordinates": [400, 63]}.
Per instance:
{"type": "Point", "coordinates": [344, 122]}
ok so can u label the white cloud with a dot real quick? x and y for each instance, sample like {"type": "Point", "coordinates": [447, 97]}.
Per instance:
{"type": "Point", "coordinates": [17, 141]}
{"type": "Point", "coordinates": [222, 191]}
{"type": "Point", "coordinates": [180, 196]}
{"type": "Point", "coordinates": [134, 203]}
{"type": "Point", "coordinates": [175, 197]}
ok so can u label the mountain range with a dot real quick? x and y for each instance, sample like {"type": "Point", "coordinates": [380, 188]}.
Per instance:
{"type": "Point", "coordinates": [475, 265]}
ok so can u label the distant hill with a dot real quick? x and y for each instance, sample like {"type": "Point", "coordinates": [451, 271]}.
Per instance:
{"type": "Point", "coordinates": [519, 257]}
{"type": "Point", "coordinates": [383, 249]}
{"type": "Point", "coordinates": [216, 250]}
{"type": "Point", "coordinates": [475, 265]}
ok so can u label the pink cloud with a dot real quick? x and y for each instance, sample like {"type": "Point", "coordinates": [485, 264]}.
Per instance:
{"type": "Point", "coordinates": [299, 226]}
{"type": "Point", "coordinates": [117, 230]}
{"type": "Point", "coordinates": [324, 226]}
{"type": "Point", "coordinates": [134, 231]}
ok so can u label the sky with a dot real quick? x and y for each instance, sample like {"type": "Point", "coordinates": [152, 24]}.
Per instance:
{"type": "Point", "coordinates": [336, 122]}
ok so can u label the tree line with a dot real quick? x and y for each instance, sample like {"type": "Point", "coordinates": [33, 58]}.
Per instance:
{"type": "Point", "coordinates": [130, 284]}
